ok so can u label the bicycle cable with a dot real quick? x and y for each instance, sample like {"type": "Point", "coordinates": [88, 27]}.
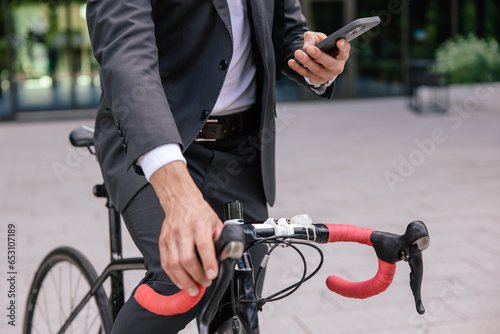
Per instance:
{"type": "Point", "coordinates": [283, 293]}
{"type": "Point", "coordinates": [294, 287]}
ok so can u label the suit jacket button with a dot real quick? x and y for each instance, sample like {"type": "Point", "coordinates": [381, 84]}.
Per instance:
{"type": "Point", "coordinates": [204, 115]}
{"type": "Point", "coordinates": [124, 146]}
{"type": "Point", "coordinates": [223, 65]}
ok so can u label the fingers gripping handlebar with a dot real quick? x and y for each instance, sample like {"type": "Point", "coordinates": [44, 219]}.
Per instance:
{"type": "Point", "coordinates": [229, 248]}
{"type": "Point", "coordinates": [390, 248]}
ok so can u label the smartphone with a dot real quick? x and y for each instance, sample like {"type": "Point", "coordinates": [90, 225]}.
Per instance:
{"type": "Point", "coordinates": [348, 32]}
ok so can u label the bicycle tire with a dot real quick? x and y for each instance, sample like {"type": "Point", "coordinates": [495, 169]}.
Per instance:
{"type": "Point", "coordinates": [60, 283]}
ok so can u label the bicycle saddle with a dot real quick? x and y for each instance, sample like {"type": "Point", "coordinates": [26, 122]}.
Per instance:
{"type": "Point", "coordinates": [82, 137]}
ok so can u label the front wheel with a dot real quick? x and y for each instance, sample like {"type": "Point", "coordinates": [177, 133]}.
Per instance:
{"type": "Point", "coordinates": [61, 282]}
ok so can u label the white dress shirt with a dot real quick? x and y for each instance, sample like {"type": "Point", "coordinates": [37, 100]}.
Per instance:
{"type": "Point", "coordinates": [238, 92]}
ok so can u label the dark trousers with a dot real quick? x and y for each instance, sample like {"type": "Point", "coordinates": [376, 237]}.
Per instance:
{"type": "Point", "coordinates": [225, 170]}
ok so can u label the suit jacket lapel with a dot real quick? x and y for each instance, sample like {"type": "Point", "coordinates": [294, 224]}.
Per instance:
{"type": "Point", "coordinates": [223, 9]}
{"type": "Point", "coordinates": [258, 11]}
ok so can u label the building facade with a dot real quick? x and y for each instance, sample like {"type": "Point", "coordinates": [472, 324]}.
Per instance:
{"type": "Point", "coordinates": [46, 60]}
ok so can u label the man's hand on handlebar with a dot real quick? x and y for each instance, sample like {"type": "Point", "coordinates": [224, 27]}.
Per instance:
{"type": "Point", "coordinates": [190, 226]}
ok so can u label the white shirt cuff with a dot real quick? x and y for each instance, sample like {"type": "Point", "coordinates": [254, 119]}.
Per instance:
{"type": "Point", "coordinates": [159, 157]}
{"type": "Point", "coordinates": [326, 84]}
{"type": "Point", "coordinates": [319, 89]}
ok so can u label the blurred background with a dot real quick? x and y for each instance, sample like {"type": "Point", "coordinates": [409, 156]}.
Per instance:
{"type": "Point", "coordinates": [413, 134]}
{"type": "Point", "coordinates": [46, 60]}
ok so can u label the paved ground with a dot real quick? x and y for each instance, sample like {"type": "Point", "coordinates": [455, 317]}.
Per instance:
{"type": "Point", "coordinates": [369, 162]}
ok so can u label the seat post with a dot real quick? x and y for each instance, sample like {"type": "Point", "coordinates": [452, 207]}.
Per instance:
{"type": "Point", "coordinates": [115, 247]}
{"type": "Point", "coordinates": [115, 235]}
{"type": "Point", "coordinates": [115, 243]}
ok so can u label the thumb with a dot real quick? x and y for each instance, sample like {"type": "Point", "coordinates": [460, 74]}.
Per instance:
{"type": "Point", "coordinates": [309, 39]}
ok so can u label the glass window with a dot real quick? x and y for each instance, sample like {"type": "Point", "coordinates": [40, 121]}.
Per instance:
{"type": "Point", "coordinates": [53, 66]}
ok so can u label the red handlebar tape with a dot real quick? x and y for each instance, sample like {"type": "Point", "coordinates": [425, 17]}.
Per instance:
{"type": "Point", "coordinates": [159, 304]}
{"type": "Point", "coordinates": [181, 302]}
{"type": "Point", "coordinates": [379, 283]}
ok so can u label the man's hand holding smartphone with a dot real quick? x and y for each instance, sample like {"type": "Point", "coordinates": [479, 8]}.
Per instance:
{"type": "Point", "coordinates": [324, 57]}
{"type": "Point", "coordinates": [317, 66]}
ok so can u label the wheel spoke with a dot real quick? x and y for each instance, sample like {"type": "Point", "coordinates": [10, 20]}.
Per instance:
{"type": "Point", "coordinates": [35, 330]}
{"type": "Point", "coordinates": [75, 291]}
{"type": "Point", "coordinates": [93, 322]}
{"type": "Point", "coordinates": [69, 274]}
{"type": "Point", "coordinates": [44, 311]}
{"type": "Point", "coordinates": [56, 288]}
{"type": "Point", "coordinates": [86, 318]}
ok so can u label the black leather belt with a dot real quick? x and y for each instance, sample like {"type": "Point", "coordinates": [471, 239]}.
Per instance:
{"type": "Point", "coordinates": [223, 127]}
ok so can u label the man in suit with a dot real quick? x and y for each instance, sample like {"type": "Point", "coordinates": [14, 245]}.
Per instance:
{"type": "Point", "coordinates": [188, 105]}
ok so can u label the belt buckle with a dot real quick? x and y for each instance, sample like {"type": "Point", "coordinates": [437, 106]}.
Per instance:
{"type": "Point", "coordinates": [198, 140]}
{"type": "Point", "coordinates": [204, 139]}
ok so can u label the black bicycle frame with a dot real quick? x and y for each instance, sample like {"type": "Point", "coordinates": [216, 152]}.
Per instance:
{"type": "Point", "coordinates": [117, 297]}
{"type": "Point", "coordinates": [244, 279]}
{"type": "Point", "coordinates": [110, 270]}
{"type": "Point", "coordinates": [115, 268]}
{"type": "Point", "coordinates": [241, 273]}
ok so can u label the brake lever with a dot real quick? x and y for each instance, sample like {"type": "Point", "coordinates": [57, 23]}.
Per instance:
{"type": "Point", "coordinates": [408, 247]}
{"type": "Point", "coordinates": [229, 248]}
{"type": "Point", "coordinates": [418, 238]}
{"type": "Point", "coordinates": [416, 275]}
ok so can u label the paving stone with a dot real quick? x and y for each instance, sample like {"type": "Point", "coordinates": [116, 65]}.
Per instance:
{"type": "Point", "coordinates": [332, 162]}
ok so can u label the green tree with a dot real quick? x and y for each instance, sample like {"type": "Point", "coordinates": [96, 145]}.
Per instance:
{"type": "Point", "coordinates": [468, 60]}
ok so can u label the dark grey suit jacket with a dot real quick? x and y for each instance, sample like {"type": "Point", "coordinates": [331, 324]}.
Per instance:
{"type": "Point", "coordinates": [163, 65]}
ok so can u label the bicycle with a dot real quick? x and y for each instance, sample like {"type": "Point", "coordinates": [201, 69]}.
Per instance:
{"type": "Point", "coordinates": [90, 310]}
